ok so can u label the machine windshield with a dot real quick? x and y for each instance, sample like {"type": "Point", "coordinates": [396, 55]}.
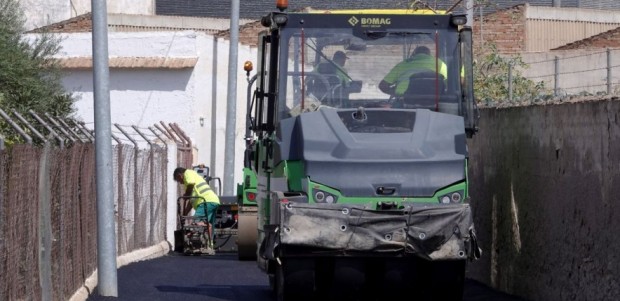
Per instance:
{"type": "Point", "coordinates": [395, 69]}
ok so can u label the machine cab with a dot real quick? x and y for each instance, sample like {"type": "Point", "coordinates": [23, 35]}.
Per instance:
{"type": "Point", "coordinates": [363, 59]}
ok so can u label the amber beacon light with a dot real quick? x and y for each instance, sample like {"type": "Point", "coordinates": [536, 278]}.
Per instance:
{"type": "Point", "coordinates": [248, 67]}
{"type": "Point", "coordinates": [281, 4]}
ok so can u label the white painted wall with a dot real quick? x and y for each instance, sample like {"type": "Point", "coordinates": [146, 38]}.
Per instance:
{"type": "Point", "coordinates": [44, 12]}
{"type": "Point", "coordinates": [143, 97]}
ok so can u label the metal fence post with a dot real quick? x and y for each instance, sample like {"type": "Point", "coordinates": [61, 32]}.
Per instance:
{"type": "Point", "coordinates": [61, 141]}
{"type": "Point", "coordinates": [53, 121]}
{"type": "Point", "coordinates": [159, 137]}
{"type": "Point", "coordinates": [45, 224]}
{"type": "Point", "coordinates": [84, 131]}
{"type": "Point", "coordinates": [510, 82]}
{"type": "Point", "coordinates": [135, 128]}
{"type": "Point", "coordinates": [151, 159]}
{"type": "Point", "coordinates": [608, 71]}
{"type": "Point", "coordinates": [19, 130]}
{"type": "Point", "coordinates": [70, 130]}
{"type": "Point", "coordinates": [165, 132]}
{"type": "Point", "coordinates": [556, 76]}
{"type": "Point", "coordinates": [136, 195]}
{"type": "Point", "coordinates": [126, 135]}
{"type": "Point", "coordinates": [30, 127]}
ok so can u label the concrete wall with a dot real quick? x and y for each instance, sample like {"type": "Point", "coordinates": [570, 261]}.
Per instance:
{"type": "Point", "coordinates": [545, 182]}
{"type": "Point", "coordinates": [146, 95]}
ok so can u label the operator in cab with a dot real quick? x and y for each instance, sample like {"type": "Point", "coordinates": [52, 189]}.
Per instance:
{"type": "Point", "coordinates": [396, 82]}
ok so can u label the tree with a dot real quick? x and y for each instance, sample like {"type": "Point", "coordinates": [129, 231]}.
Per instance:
{"type": "Point", "coordinates": [492, 83]}
{"type": "Point", "coordinates": [30, 79]}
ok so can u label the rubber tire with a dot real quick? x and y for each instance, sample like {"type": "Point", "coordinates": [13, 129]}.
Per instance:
{"type": "Point", "coordinates": [294, 280]}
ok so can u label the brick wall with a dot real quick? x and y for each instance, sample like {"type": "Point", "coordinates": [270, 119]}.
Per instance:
{"type": "Point", "coordinates": [506, 28]}
{"type": "Point", "coordinates": [82, 23]}
{"type": "Point", "coordinates": [609, 39]}
{"type": "Point", "coordinates": [248, 33]}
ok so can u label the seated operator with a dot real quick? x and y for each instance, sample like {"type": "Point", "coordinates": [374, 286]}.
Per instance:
{"type": "Point", "coordinates": [337, 78]}
{"type": "Point", "coordinates": [340, 59]}
{"type": "Point", "coordinates": [396, 82]}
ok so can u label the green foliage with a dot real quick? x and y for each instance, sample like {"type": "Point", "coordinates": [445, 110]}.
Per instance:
{"type": "Point", "coordinates": [492, 82]}
{"type": "Point", "coordinates": [29, 78]}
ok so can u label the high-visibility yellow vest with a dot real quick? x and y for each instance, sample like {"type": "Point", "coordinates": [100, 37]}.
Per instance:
{"type": "Point", "coordinates": [400, 74]}
{"type": "Point", "coordinates": [201, 188]}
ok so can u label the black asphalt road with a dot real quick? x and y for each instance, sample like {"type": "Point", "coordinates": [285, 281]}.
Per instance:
{"type": "Point", "coordinates": [221, 277]}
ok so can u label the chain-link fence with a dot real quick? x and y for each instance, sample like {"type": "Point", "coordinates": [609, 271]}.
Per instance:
{"type": "Point", "coordinates": [568, 74]}
{"type": "Point", "coordinates": [48, 219]}
{"type": "Point", "coordinates": [577, 72]}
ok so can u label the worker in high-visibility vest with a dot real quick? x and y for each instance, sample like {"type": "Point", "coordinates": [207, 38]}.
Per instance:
{"type": "Point", "coordinates": [396, 82]}
{"type": "Point", "coordinates": [204, 200]}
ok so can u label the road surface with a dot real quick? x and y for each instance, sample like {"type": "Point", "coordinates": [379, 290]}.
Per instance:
{"type": "Point", "coordinates": [216, 278]}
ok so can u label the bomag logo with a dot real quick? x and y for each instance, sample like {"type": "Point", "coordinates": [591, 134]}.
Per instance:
{"type": "Point", "coordinates": [370, 22]}
{"type": "Point", "coordinates": [353, 21]}
{"type": "Point", "coordinates": [376, 21]}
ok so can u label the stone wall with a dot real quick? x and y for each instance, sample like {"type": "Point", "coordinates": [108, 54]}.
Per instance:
{"type": "Point", "coordinates": [544, 187]}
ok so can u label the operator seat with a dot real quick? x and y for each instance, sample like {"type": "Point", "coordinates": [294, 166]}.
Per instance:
{"type": "Point", "coordinates": [423, 89]}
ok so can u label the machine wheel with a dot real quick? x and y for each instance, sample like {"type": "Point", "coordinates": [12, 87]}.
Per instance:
{"type": "Point", "coordinates": [441, 280]}
{"type": "Point", "coordinates": [246, 235]}
{"type": "Point", "coordinates": [449, 279]}
{"type": "Point", "coordinates": [294, 280]}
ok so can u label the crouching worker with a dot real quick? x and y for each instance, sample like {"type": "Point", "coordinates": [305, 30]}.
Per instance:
{"type": "Point", "coordinates": [203, 199]}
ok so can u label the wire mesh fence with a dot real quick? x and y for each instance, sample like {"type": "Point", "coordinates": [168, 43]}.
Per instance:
{"type": "Point", "coordinates": [48, 218]}
{"type": "Point", "coordinates": [570, 73]}
{"type": "Point", "coordinates": [566, 75]}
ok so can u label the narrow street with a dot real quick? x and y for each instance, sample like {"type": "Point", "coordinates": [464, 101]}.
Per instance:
{"type": "Point", "coordinates": [220, 277]}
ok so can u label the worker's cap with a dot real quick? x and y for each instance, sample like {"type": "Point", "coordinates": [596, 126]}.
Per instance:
{"type": "Point", "coordinates": [340, 55]}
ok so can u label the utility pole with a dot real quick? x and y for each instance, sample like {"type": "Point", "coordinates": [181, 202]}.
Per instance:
{"type": "Point", "coordinates": [231, 108]}
{"type": "Point", "coordinates": [469, 6]}
{"type": "Point", "coordinates": [106, 236]}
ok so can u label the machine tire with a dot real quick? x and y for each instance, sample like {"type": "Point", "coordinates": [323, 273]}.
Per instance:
{"type": "Point", "coordinates": [294, 280]}
{"type": "Point", "coordinates": [448, 280]}
{"type": "Point", "coordinates": [247, 235]}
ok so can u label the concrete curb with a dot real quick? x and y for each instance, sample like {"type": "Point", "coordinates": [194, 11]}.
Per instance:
{"type": "Point", "coordinates": [90, 283]}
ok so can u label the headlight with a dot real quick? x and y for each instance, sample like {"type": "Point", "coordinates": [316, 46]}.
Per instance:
{"type": "Point", "coordinates": [280, 19]}
{"type": "Point", "coordinates": [456, 197]}
{"type": "Point", "coordinates": [459, 20]}
{"type": "Point", "coordinates": [329, 199]}
{"type": "Point", "coordinates": [321, 196]}
{"type": "Point", "coordinates": [453, 197]}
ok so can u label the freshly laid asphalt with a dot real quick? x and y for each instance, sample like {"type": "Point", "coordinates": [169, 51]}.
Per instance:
{"type": "Point", "coordinates": [179, 277]}
{"type": "Point", "coordinates": [220, 277]}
